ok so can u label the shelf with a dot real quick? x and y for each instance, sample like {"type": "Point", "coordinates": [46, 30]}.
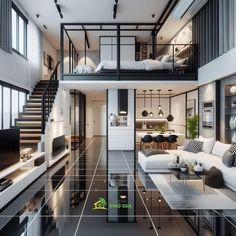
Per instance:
{"type": "Point", "coordinates": [230, 107]}
{"type": "Point", "coordinates": [230, 95]}
{"type": "Point", "coordinates": [19, 165]}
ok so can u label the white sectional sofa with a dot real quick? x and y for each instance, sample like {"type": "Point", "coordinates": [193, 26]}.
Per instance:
{"type": "Point", "coordinates": [159, 163]}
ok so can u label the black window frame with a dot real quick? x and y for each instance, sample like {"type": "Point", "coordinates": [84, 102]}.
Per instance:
{"type": "Point", "coordinates": [11, 87]}
{"type": "Point", "coordinates": [19, 14]}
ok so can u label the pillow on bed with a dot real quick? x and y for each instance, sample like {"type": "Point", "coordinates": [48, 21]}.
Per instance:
{"type": "Point", "coordinates": [152, 65]}
{"type": "Point", "coordinates": [165, 58]}
{"type": "Point", "coordinates": [181, 61]}
{"type": "Point", "coordinates": [159, 58]}
{"type": "Point", "coordinates": [83, 69]}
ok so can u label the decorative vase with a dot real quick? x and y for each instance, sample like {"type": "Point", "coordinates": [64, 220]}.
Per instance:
{"type": "Point", "coordinates": [232, 122]}
{"type": "Point", "coordinates": [233, 140]}
{"type": "Point", "coordinates": [198, 168]}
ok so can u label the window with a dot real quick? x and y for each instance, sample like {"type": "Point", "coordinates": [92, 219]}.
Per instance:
{"type": "Point", "coordinates": [19, 31]}
{"type": "Point", "coordinates": [12, 100]}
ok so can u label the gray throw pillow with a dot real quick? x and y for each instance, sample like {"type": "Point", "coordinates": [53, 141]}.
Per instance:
{"type": "Point", "coordinates": [150, 152]}
{"type": "Point", "coordinates": [193, 146]}
{"type": "Point", "coordinates": [228, 158]}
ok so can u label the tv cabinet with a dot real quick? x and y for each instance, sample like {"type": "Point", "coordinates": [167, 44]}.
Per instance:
{"type": "Point", "coordinates": [22, 174]}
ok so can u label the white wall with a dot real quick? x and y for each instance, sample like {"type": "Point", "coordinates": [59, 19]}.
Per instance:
{"type": "Point", "coordinates": [49, 49]}
{"type": "Point", "coordinates": [60, 117]}
{"type": "Point", "coordinates": [221, 67]}
{"type": "Point", "coordinates": [15, 69]}
{"type": "Point", "coordinates": [92, 58]}
{"type": "Point", "coordinates": [178, 110]}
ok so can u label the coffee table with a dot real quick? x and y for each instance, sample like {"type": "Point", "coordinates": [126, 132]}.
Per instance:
{"type": "Point", "coordinates": [187, 175]}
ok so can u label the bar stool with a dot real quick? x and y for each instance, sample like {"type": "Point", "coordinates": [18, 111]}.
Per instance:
{"type": "Point", "coordinates": [147, 139]}
{"type": "Point", "coordinates": [159, 140]}
{"type": "Point", "coordinates": [171, 140]}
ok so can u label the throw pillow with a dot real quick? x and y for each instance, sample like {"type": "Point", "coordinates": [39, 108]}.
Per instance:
{"type": "Point", "coordinates": [150, 152]}
{"type": "Point", "coordinates": [233, 148]}
{"type": "Point", "coordinates": [228, 158]}
{"type": "Point", "coordinates": [193, 146]}
{"type": "Point", "coordinates": [165, 58]}
{"type": "Point", "coordinates": [214, 178]}
{"type": "Point", "coordinates": [220, 148]}
{"type": "Point", "coordinates": [208, 144]}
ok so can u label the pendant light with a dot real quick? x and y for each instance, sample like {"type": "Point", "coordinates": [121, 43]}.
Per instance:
{"type": "Point", "coordinates": [151, 113]}
{"type": "Point", "coordinates": [170, 117]}
{"type": "Point", "coordinates": [144, 112]}
{"type": "Point", "coordinates": [160, 113]}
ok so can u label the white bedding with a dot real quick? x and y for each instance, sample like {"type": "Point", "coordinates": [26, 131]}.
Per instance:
{"type": "Point", "coordinates": [148, 65]}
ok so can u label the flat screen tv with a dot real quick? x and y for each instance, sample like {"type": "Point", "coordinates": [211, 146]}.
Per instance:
{"type": "Point", "coordinates": [9, 147]}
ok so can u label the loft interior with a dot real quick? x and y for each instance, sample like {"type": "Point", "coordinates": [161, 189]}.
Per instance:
{"type": "Point", "coordinates": [117, 117]}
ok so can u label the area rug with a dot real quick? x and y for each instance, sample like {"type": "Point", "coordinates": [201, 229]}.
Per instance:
{"type": "Point", "coordinates": [192, 196]}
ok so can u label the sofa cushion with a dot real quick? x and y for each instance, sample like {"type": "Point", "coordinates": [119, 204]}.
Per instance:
{"type": "Point", "coordinates": [208, 143]}
{"type": "Point", "coordinates": [228, 158]}
{"type": "Point", "coordinates": [150, 152]}
{"type": "Point", "coordinates": [220, 148]}
{"type": "Point", "coordinates": [193, 146]}
{"type": "Point", "coordinates": [233, 148]}
{"type": "Point", "coordinates": [214, 178]}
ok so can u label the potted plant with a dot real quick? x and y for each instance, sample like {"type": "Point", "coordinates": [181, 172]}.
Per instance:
{"type": "Point", "coordinates": [192, 127]}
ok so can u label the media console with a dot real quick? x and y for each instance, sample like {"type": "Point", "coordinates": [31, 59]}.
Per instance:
{"type": "Point", "coordinates": [22, 175]}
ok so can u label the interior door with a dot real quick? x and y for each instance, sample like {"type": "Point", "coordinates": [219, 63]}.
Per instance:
{"type": "Point", "coordinates": [100, 121]}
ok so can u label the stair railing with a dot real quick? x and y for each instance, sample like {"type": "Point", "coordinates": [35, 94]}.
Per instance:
{"type": "Point", "coordinates": [49, 96]}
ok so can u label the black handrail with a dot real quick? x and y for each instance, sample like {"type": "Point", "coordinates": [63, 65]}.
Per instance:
{"type": "Point", "coordinates": [48, 97]}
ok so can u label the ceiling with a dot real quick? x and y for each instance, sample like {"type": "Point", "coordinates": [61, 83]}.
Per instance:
{"type": "Point", "coordinates": [87, 87]}
{"type": "Point", "coordinates": [90, 11]}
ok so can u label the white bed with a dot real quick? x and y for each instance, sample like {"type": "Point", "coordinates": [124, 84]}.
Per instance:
{"type": "Point", "coordinates": [145, 65]}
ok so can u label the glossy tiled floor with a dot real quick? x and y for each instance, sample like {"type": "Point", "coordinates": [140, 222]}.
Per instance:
{"type": "Point", "coordinates": [62, 201]}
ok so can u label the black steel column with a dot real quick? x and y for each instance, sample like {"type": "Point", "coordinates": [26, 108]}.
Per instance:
{"type": "Point", "coordinates": [62, 49]}
{"type": "Point", "coordinates": [153, 45]}
{"type": "Point", "coordinates": [118, 52]}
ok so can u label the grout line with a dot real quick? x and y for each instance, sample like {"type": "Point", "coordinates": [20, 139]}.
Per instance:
{"type": "Point", "coordinates": [154, 227]}
{"type": "Point", "coordinates": [40, 209]}
{"type": "Point", "coordinates": [91, 184]}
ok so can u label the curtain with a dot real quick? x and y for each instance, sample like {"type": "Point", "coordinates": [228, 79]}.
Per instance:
{"type": "Point", "coordinates": [6, 25]}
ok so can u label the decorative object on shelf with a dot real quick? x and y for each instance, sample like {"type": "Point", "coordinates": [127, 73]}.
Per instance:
{"type": "Point", "coordinates": [160, 113]}
{"type": "Point", "coordinates": [25, 154]}
{"type": "Point", "coordinates": [233, 140]}
{"type": "Point", "coordinates": [198, 167]}
{"type": "Point", "coordinates": [232, 122]}
{"type": "Point", "coordinates": [113, 119]}
{"type": "Point", "coordinates": [170, 117]}
{"type": "Point", "coordinates": [144, 112]}
{"type": "Point", "coordinates": [192, 126]}
{"type": "Point", "coordinates": [232, 89]}
{"type": "Point", "coordinates": [151, 114]}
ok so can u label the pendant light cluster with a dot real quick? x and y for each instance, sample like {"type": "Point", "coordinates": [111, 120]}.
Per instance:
{"type": "Point", "coordinates": [160, 112]}
{"type": "Point", "coordinates": [145, 113]}
{"type": "Point", "coordinates": [170, 117]}
{"type": "Point", "coordinates": [151, 114]}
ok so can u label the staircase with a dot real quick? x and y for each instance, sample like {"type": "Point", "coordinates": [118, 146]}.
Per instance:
{"type": "Point", "coordinates": [36, 111]}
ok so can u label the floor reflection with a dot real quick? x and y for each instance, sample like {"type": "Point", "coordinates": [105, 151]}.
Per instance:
{"type": "Point", "coordinates": [95, 192]}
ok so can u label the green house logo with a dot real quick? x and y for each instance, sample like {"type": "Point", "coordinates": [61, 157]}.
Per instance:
{"type": "Point", "coordinates": [101, 204]}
